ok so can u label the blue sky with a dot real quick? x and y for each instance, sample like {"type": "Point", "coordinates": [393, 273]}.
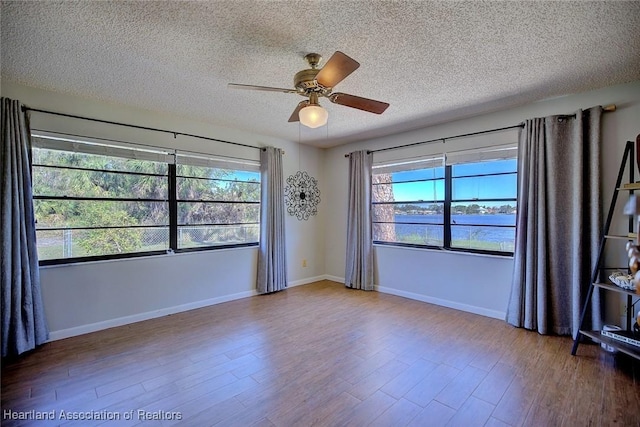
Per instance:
{"type": "Point", "coordinates": [488, 187]}
{"type": "Point", "coordinates": [245, 176]}
{"type": "Point", "coordinates": [499, 186]}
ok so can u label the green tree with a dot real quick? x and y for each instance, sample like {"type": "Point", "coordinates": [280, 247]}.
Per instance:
{"type": "Point", "coordinates": [92, 179]}
{"type": "Point", "coordinates": [472, 209]}
{"type": "Point", "coordinates": [211, 185]}
{"type": "Point", "coordinates": [104, 241]}
{"type": "Point", "coordinates": [506, 209]}
{"type": "Point", "coordinates": [459, 210]}
{"type": "Point", "coordinates": [95, 176]}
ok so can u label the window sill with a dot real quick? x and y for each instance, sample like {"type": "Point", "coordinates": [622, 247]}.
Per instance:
{"type": "Point", "coordinates": [441, 250]}
{"type": "Point", "coordinates": [135, 257]}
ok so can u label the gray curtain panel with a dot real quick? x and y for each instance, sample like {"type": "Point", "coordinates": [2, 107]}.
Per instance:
{"type": "Point", "coordinates": [23, 323]}
{"type": "Point", "coordinates": [359, 260]}
{"type": "Point", "coordinates": [559, 223]}
{"type": "Point", "coordinates": [272, 257]}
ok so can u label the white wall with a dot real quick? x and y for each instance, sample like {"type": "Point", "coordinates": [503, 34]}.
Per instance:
{"type": "Point", "coordinates": [306, 238]}
{"type": "Point", "coordinates": [474, 283]}
{"type": "Point", "coordinates": [83, 297]}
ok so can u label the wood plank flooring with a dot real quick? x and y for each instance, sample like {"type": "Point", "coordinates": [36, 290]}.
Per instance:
{"type": "Point", "coordinates": [324, 355]}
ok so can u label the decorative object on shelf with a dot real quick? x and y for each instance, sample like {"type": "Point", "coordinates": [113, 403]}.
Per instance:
{"type": "Point", "coordinates": [633, 249]}
{"type": "Point", "coordinates": [628, 337]}
{"type": "Point", "coordinates": [633, 208]}
{"type": "Point", "coordinates": [609, 328]}
{"type": "Point", "coordinates": [301, 195]}
{"type": "Point", "coordinates": [622, 279]}
{"type": "Point", "coordinates": [638, 151]}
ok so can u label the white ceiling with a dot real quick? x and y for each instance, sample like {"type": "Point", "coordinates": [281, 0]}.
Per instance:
{"type": "Point", "coordinates": [433, 61]}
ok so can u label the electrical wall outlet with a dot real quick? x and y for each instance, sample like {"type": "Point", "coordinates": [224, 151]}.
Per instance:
{"type": "Point", "coordinates": [304, 263]}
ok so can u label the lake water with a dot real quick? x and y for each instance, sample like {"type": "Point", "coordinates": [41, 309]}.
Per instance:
{"type": "Point", "coordinates": [461, 228]}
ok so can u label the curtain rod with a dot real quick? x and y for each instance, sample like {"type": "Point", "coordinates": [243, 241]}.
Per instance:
{"type": "Point", "coordinates": [607, 108]}
{"type": "Point", "coordinates": [175, 134]}
{"type": "Point", "coordinates": [442, 139]}
{"type": "Point", "coordinates": [175, 151]}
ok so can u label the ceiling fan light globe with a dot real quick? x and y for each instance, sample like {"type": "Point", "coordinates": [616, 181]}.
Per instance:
{"type": "Point", "coordinates": [313, 116]}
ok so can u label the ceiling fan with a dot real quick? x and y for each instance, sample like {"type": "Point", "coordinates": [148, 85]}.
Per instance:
{"type": "Point", "coordinates": [315, 82]}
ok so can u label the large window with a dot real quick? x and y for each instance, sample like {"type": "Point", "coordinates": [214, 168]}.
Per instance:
{"type": "Point", "coordinates": [94, 200]}
{"type": "Point", "coordinates": [461, 201]}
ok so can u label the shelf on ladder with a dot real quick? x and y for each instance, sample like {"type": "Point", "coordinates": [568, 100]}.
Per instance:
{"type": "Point", "coordinates": [629, 349]}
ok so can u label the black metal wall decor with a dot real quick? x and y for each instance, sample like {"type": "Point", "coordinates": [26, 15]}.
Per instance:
{"type": "Point", "coordinates": [301, 195]}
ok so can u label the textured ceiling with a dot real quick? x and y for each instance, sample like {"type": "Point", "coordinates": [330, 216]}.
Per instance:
{"type": "Point", "coordinates": [433, 61]}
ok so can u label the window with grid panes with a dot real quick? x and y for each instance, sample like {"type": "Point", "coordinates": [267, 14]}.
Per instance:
{"type": "Point", "coordinates": [461, 201]}
{"type": "Point", "coordinates": [100, 200]}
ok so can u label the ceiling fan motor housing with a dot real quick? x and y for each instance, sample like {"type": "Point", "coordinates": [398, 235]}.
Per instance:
{"type": "Point", "coordinates": [305, 80]}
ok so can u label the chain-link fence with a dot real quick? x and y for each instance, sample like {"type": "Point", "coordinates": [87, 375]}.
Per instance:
{"type": "Point", "coordinates": [212, 235]}
{"type": "Point", "coordinates": [71, 243]}
{"type": "Point", "coordinates": [157, 238]}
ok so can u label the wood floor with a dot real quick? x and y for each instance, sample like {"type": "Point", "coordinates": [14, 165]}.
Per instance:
{"type": "Point", "coordinates": [322, 355]}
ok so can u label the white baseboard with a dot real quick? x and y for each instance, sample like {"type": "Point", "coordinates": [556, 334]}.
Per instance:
{"type": "Point", "coordinates": [445, 303]}
{"type": "Point", "coordinates": [306, 281]}
{"type": "Point", "coordinates": [125, 320]}
{"type": "Point", "coordinates": [431, 300]}
{"type": "Point", "coordinates": [316, 279]}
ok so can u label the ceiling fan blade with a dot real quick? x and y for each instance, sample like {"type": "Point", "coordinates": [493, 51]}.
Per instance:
{"type": "Point", "coordinates": [295, 117]}
{"type": "Point", "coordinates": [337, 68]}
{"type": "Point", "coordinates": [263, 88]}
{"type": "Point", "coordinates": [358, 102]}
